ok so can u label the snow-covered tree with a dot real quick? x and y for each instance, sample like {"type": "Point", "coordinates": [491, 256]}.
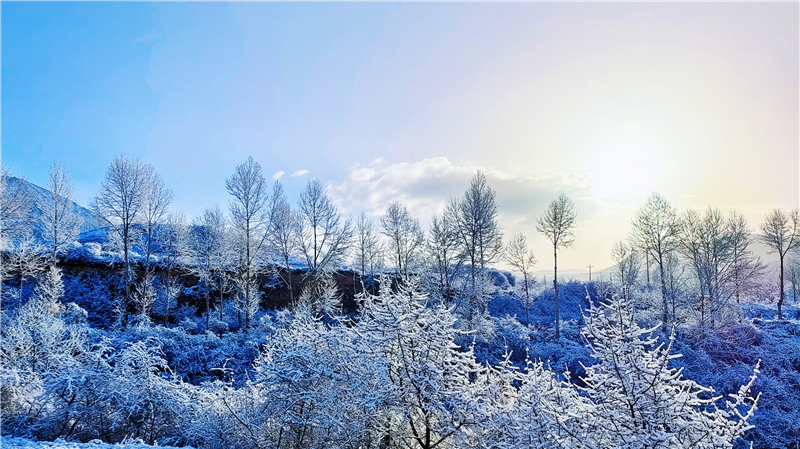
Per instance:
{"type": "Point", "coordinates": [655, 232]}
{"type": "Point", "coordinates": [323, 238]}
{"type": "Point", "coordinates": [747, 268]}
{"type": "Point", "coordinates": [59, 222]}
{"type": "Point", "coordinates": [626, 266]}
{"type": "Point", "coordinates": [793, 276]}
{"type": "Point", "coordinates": [636, 399]}
{"type": "Point", "coordinates": [521, 258]}
{"type": "Point", "coordinates": [282, 239]}
{"type": "Point", "coordinates": [319, 385]}
{"type": "Point", "coordinates": [145, 296]}
{"type": "Point", "coordinates": [428, 395]}
{"type": "Point", "coordinates": [250, 217]}
{"type": "Point", "coordinates": [445, 253]}
{"type": "Point", "coordinates": [476, 219]}
{"type": "Point", "coordinates": [173, 239]}
{"type": "Point", "coordinates": [146, 404]}
{"type": "Point", "coordinates": [558, 225]}
{"type": "Point", "coordinates": [119, 205]}
{"type": "Point", "coordinates": [321, 296]}
{"type": "Point", "coordinates": [522, 408]}
{"type": "Point", "coordinates": [247, 304]}
{"type": "Point", "coordinates": [51, 287]}
{"type": "Point", "coordinates": [155, 208]}
{"type": "Point", "coordinates": [209, 246]}
{"type": "Point", "coordinates": [27, 259]}
{"type": "Point", "coordinates": [35, 345]}
{"type": "Point", "coordinates": [368, 251]}
{"type": "Point", "coordinates": [716, 249]}
{"type": "Point", "coordinates": [780, 231]}
{"type": "Point", "coordinates": [15, 205]}
{"type": "Point", "coordinates": [405, 237]}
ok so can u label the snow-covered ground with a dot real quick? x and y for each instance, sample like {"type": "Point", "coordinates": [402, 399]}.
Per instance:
{"type": "Point", "coordinates": [9, 442]}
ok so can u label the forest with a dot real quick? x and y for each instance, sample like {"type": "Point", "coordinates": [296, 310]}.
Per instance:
{"type": "Point", "coordinates": [281, 324]}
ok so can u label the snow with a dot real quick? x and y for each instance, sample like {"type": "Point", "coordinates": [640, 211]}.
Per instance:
{"type": "Point", "coordinates": [12, 442]}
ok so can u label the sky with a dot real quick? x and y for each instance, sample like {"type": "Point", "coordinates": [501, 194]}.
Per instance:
{"type": "Point", "coordinates": [605, 102]}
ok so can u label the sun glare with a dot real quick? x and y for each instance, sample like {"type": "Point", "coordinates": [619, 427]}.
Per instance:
{"type": "Point", "coordinates": [624, 168]}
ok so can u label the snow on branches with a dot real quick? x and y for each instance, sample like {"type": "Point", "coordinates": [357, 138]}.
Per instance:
{"type": "Point", "coordinates": [633, 398]}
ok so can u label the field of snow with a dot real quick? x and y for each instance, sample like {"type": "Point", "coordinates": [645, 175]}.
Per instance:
{"type": "Point", "coordinates": [9, 443]}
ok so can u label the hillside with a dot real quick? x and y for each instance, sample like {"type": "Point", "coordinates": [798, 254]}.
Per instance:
{"type": "Point", "coordinates": [39, 194]}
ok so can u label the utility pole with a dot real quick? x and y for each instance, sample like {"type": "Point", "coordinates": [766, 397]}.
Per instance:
{"type": "Point", "coordinates": [590, 272]}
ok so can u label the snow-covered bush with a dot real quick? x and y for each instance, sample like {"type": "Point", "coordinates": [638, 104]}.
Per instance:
{"type": "Point", "coordinates": [634, 399]}
{"type": "Point", "coordinates": [320, 295]}
{"type": "Point", "coordinates": [426, 388]}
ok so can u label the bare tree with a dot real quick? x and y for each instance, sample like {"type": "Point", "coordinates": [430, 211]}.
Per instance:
{"type": "Point", "coordinates": [405, 236]}
{"type": "Point", "coordinates": [14, 205]}
{"type": "Point", "coordinates": [558, 225]}
{"type": "Point", "coordinates": [321, 296]}
{"type": "Point", "coordinates": [780, 231]}
{"type": "Point", "coordinates": [655, 232]}
{"type": "Point", "coordinates": [722, 264]}
{"type": "Point", "coordinates": [519, 256]}
{"type": "Point", "coordinates": [627, 264]}
{"type": "Point", "coordinates": [174, 242]}
{"type": "Point", "coordinates": [208, 243]}
{"type": "Point", "coordinates": [323, 238]}
{"type": "Point", "coordinates": [282, 241]}
{"type": "Point", "coordinates": [118, 205]}
{"type": "Point", "coordinates": [28, 260]}
{"type": "Point", "coordinates": [747, 268]}
{"type": "Point", "coordinates": [60, 221]}
{"type": "Point", "coordinates": [675, 278]}
{"type": "Point", "coordinates": [480, 232]}
{"type": "Point", "coordinates": [154, 209]}
{"type": "Point", "coordinates": [155, 204]}
{"type": "Point", "coordinates": [445, 252]}
{"type": "Point", "coordinates": [700, 242]}
{"type": "Point", "coordinates": [14, 214]}
{"type": "Point", "coordinates": [368, 248]}
{"type": "Point", "coordinates": [793, 276]}
{"type": "Point", "coordinates": [250, 217]}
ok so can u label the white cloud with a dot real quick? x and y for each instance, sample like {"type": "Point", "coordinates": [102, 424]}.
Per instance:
{"type": "Point", "coordinates": [426, 185]}
{"type": "Point", "coordinates": [299, 173]}
{"type": "Point", "coordinates": [278, 175]}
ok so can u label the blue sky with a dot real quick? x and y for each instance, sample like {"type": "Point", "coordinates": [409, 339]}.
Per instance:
{"type": "Point", "coordinates": [606, 102]}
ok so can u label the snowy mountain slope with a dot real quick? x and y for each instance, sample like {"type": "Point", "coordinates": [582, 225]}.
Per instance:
{"type": "Point", "coordinates": [37, 194]}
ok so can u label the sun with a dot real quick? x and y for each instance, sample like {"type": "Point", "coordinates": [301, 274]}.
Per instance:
{"type": "Point", "coordinates": [624, 168]}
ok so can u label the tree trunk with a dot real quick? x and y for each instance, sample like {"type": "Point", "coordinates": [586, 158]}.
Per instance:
{"type": "Point", "coordinates": [289, 275]}
{"type": "Point", "coordinates": [127, 268]}
{"type": "Point", "coordinates": [247, 285]}
{"type": "Point", "coordinates": [780, 301]}
{"type": "Point", "coordinates": [527, 298]}
{"type": "Point", "coordinates": [167, 298]}
{"type": "Point", "coordinates": [247, 305]}
{"type": "Point", "coordinates": [555, 287]}
{"type": "Point", "coordinates": [663, 291]}
{"type": "Point", "coordinates": [208, 308]}
{"type": "Point", "coordinates": [221, 301]}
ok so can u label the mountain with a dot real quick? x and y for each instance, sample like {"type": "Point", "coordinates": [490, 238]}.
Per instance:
{"type": "Point", "coordinates": [37, 194]}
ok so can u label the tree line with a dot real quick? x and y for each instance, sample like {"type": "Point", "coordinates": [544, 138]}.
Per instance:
{"type": "Point", "coordinates": [263, 233]}
{"type": "Point", "coordinates": [703, 261]}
